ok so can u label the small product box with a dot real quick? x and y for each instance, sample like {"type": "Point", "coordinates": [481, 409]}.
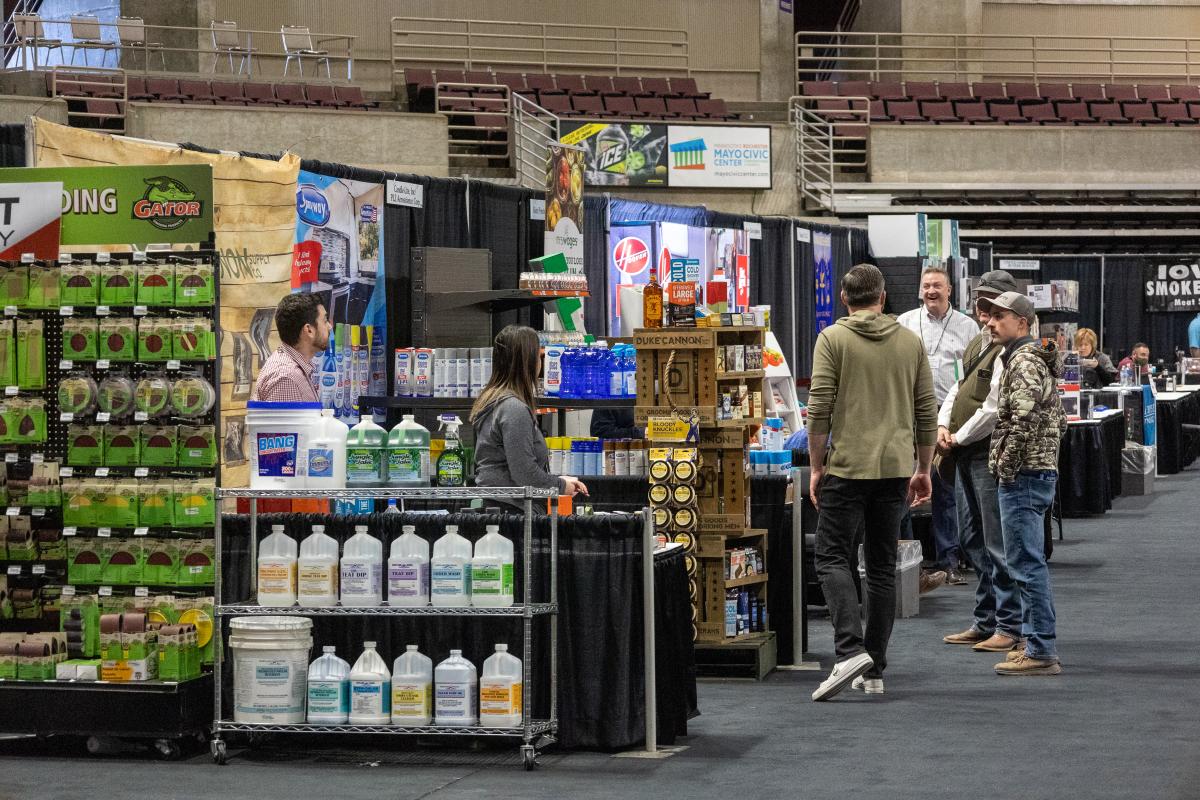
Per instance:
{"type": "Point", "coordinates": [154, 338]}
{"type": "Point", "coordinates": [118, 285]}
{"type": "Point", "coordinates": [85, 445]}
{"type": "Point", "coordinates": [196, 562]}
{"type": "Point", "coordinates": [155, 284]}
{"type": "Point", "coordinates": [155, 503]}
{"type": "Point", "coordinates": [195, 503]}
{"type": "Point", "coordinates": [158, 445]}
{"type": "Point", "coordinates": [121, 445]}
{"type": "Point", "coordinates": [118, 338]}
{"type": "Point", "coordinates": [195, 285]}
{"type": "Point", "coordinates": [44, 290]}
{"type": "Point", "coordinates": [79, 284]}
{"type": "Point", "coordinates": [80, 337]}
{"type": "Point", "coordinates": [197, 446]}
{"type": "Point", "coordinates": [83, 560]}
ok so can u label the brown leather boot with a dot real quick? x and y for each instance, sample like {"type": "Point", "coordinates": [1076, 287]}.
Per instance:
{"type": "Point", "coordinates": [998, 643]}
{"type": "Point", "coordinates": [969, 636]}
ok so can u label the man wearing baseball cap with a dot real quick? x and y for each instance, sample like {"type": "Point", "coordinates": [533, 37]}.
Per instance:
{"type": "Point", "coordinates": [965, 424]}
{"type": "Point", "coordinates": [1024, 458]}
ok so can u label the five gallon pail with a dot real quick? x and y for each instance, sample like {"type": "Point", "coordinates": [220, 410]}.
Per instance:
{"type": "Point", "coordinates": [270, 668]}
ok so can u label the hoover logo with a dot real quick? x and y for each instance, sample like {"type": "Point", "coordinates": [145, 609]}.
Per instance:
{"type": "Point", "coordinates": [631, 256]}
{"type": "Point", "coordinates": [688, 155]}
{"type": "Point", "coordinates": [167, 203]}
{"type": "Point", "coordinates": [311, 205]}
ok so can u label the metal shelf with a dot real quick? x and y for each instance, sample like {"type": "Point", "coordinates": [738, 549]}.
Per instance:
{"type": "Point", "coordinates": [536, 609]}
{"type": "Point", "coordinates": [496, 299]}
{"type": "Point", "coordinates": [536, 728]}
{"type": "Point", "coordinates": [378, 401]}
{"type": "Point", "coordinates": [386, 492]}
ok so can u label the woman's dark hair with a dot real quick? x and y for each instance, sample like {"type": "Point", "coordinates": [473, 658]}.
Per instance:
{"type": "Point", "coordinates": [293, 313]}
{"type": "Point", "coordinates": [516, 358]}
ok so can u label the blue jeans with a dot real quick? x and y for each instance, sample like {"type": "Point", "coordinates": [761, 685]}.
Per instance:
{"type": "Point", "coordinates": [1023, 506]}
{"type": "Point", "coordinates": [997, 601]}
{"type": "Point", "coordinates": [944, 524]}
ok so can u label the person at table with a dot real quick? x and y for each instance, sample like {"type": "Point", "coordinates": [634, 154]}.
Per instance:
{"type": "Point", "coordinates": [510, 449]}
{"type": "Point", "coordinates": [1138, 358]}
{"type": "Point", "coordinates": [614, 423]}
{"type": "Point", "coordinates": [1096, 369]}
{"type": "Point", "coordinates": [304, 328]}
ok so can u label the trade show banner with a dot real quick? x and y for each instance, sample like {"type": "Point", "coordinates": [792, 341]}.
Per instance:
{"type": "Point", "coordinates": [823, 280]}
{"type": "Point", "coordinates": [719, 156]}
{"type": "Point", "coordinates": [1171, 287]}
{"type": "Point", "coordinates": [620, 153]}
{"type": "Point", "coordinates": [30, 215]}
{"type": "Point", "coordinates": [631, 257]}
{"type": "Point", "coordinates": [564, 223]}
{"type": "Point", "coordinates": [254, 215]}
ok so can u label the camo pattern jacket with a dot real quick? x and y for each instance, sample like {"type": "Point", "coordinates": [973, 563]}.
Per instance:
{"type": "Point", "coordinates": [1030, 419]}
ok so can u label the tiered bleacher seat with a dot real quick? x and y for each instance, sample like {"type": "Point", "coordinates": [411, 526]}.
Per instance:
{"type": "Point", "coordinates": [220, 92]}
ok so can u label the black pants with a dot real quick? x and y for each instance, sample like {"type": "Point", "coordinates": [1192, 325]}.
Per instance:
{"type": "Point", "coordinates": [877, 507]}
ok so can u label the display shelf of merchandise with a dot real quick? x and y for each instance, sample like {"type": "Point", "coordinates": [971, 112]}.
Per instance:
{"type": "Point", "coordinates": [749, 580]}
{"type": "Point", "coordinates": [534, 734]}
{"type": "Point", "coordinates": [497, 300]}
{"type": "Point", "coordinates": [374, 401]}
{"type": "Point", "coordinates": [745, 375]}
{"type": "Point", "coordinates": [738, 423]}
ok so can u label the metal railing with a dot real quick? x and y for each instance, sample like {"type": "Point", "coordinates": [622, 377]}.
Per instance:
{"type": "Point", "coordinates": [822, 55]}
{"type": "Point", "coordinates": [828, 142]}
{"type": "Point", "coordinates": [163, 41]}
{"type": "Point", "coordinates": [96, 98]}
{"type": "Point", "coordinates": [477, 124]}
{"type": "Point", "coordinates": [535, 131]}
{"type": "Point", "coordinates": [541, 46]}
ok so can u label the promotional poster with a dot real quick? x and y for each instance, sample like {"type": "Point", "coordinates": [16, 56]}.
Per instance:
{"type": "Point", "coordinates": [823, 278]}
{"type": "Point", "coordinates": [620, 153]}
{"type": "Point", "coordinates": [1171, 287]}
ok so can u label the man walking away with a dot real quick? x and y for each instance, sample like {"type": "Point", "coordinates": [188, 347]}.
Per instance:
{"type": "Point", "coordinates": [871, 397]}
{"type": "Point", "coordinates": [1024, 458]}
{"type": "Point", "coordinates": [965, 425]}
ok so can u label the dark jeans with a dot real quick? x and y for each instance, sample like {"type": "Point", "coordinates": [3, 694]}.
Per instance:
{"type": "Point", "coordinates": [944, 523]}
{"type": "Point", "coordinates": [997, 602]}
{"type": "Point", "coordinates": [846, 506]}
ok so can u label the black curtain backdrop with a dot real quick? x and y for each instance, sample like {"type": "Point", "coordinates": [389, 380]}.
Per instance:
{"type": "Point", "coordinates": [595, 260]}
{"type": "Point", "coordinates": [1124, 318]}
{"type": "Point", "coordinates": [499, 221]}
{"type": "Point", "coordinates": [12, 145]}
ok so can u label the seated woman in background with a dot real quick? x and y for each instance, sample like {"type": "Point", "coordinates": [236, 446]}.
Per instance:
{"type": "Point", "coordinates": [1096, 370]}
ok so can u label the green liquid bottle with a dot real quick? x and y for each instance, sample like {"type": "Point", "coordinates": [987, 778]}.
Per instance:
{"type": "Point", "coordinates": [366, 453]}
{"type": "Point", "coordinates": [452, 463]}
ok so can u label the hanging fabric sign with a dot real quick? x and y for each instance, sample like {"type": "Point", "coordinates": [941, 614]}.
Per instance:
{"type": "Point", "coordinates": [1171, 287]}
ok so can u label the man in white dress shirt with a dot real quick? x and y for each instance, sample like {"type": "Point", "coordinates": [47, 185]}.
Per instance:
{"type": "Point", "coordinates": [945, 334]}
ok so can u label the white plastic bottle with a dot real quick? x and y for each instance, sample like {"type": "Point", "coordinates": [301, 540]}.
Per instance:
{"type": "Point", "coordinates": [412, 688]}
{"type": "Point", "coordinates": [370, 689]}
{"type": "Point", "coordinates": [500, 686]}
{"type": "Point", "coordinates": [317, 569]}
{"type": "Point", "coordinates": [450, 570]}
{"type": "Point", "coordinates": [329, 689]}
{"type": "Point", "coordinates": [456, 684]}
{"type": "Point", "coordinates": [408, 570]}
{"type": "Point", "coordinates": [362, 569]}
{"type": "Point", "coordinates": [325, 453]}
{"type": "Point", "coordinates": [277, 569]}
{"type": "Point", "coordinates": [492, 570]}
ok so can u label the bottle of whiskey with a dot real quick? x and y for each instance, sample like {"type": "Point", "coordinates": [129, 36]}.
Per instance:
{"type": "Point", "coordinates": [652, 302]}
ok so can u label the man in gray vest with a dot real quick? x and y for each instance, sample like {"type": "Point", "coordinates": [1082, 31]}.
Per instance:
{"type": "Point", "coordinates": [965, 424]}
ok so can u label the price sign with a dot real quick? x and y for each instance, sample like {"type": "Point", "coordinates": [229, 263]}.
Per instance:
{"type": "Point", "coordinates": [140, 311]}
{"type": "Point", "coordinates": [66, 364]}
{"type": "Point", "coordinates": [11, 391]}
{"type": "Point", "coordinates": [13, 511]}
{"type": "Point", "coordinates": [10, 311]}
{"type": "Point", "coordinates": [103, 364]}
{"type": "Point", "coordinates": [14, 570]}
{"type": "Point", "coordinates": [38, 569]}
{"type": "Point", "coordinates": [141, 531]}
{"type": "Point", "coordinates": [103, 416]}
{"type": "Point", "coordinates": [141, 591]}
{"type": "Point", "coordinates": [141, 472]}
{"type": "Point", "coordinates": [11, 458]}
{"type": "Point", "coordinates": [66, 416]}
{"type": "Point", "coordinates": [105, 591]}
{"type": "Point", "coordinates": [667, 429]}
{"type": "Point", "coordinates": [36, 458]}
{"type": "Point", "coordinates": [173, 364]}
{"type": "Point", "coordinates": [68, 591]}
{"type": "Point", "coordinates": [104, 532]}
{"type": "Point", "coordinates": [70, 530]}
{"type": "Point", "coordinates": [39, 512]}
{"type": "Point", "coordinates": [66, 311]}
{"type": "Point", "coordinates": [103, 311]}
{"type": "Point", "coordinates": [140, 416]}
{"type": "Point", "coordinates": [101, 472]}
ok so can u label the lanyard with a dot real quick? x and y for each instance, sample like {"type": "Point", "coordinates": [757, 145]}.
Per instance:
{"type": "Point", "coordinates": [945, 325]}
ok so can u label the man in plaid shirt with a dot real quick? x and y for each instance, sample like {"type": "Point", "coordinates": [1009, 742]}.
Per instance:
{"type": "Point", "coordinates": [304, 329]}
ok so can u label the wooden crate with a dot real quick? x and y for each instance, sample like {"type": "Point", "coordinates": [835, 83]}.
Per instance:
{"type": "Point", "coordinates": [712, 583]}
{"type": "Point", "coordinates": [753, 656]}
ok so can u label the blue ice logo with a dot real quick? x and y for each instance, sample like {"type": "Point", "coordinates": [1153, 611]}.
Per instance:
{"type": "Point", "coordinates": [311, 205]}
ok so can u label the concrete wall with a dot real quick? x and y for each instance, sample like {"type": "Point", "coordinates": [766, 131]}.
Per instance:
{"type": "Point", "coordinates": [399, 142]}
{"type": "Point", "coordinates": [16, 109]}
{"type": "Point", "coordinates": [964, 154]}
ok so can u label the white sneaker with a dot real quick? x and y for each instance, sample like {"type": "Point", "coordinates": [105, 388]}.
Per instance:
{"type": "Point", "coordinates": [843, 674]}
{"type": "Point", "coordinates": [868, 685]}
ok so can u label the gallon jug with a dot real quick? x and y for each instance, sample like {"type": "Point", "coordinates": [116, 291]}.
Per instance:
{"type": "Point", "coordinates": [329, 689]}
{"type": "Point", "coordinates": [500, 703]}
{"type": "Point", "coordinates": [370, 689]}
{"type": "Point", "coordinates": [408, 570]}
{"type": "Point", "coordinates": [317, 569]}
{"type": "Point", "coordinates": [408, 454]}
{"type": "Point", "coordinates": [457, 690]}
{"type": "Point", "coordinates": [277, 569]}
{"type": "Point", "coordinates": [365, 449]}
{"type": "Point", "coordinates": [492, 570]}
{"type": "Point", "coordinates": [362, 569]}
{"type": "Point", "coordinates": [326, 453]}
{"type": "Point", "coordinates": [450, 570]}
{"type": "Point", "coordinates": [412, 688]}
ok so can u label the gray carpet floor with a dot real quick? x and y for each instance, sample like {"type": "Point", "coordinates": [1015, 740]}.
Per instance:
{"type": "Point", "coordinates": [1120, 722]}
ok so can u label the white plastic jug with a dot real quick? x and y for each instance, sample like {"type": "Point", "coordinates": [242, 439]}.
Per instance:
{"type": "Point", "coordinates": [362, 569]}
{"type": "Point", "coordinates": [408, 570]}
{"type": "Point", "coordinates": [492, 570]}
{"type": "Point", "coordinates": [370, 689]}
{"type": "Point", "coordinates": [326, 453]}
{"type": "Point", "coordinates": [366, 447]}
{"type": "Point", "coordinates": [329, 689]}
{"type": "Point", "coordinates": [317, 569]}
{"type": "Point", "coordinates": [500, 695]}
{"type": "Point", "coordinates": [277, 569]}
{"type": "Point", "coordinates": [456, 684]}
{"type": "Point", "coordinates": [412, 688]}
{"type": "Point", "coordinates": [450, 570]}
{"type": "Point", "coordinates": [408, 454]}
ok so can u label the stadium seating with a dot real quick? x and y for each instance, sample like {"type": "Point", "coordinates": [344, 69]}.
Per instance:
{"type": "Point", "coordinates": [217, 92]}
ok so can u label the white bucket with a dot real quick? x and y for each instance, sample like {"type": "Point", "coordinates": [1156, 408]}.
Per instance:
{"type": "Point", "coordinates": [279, 434]}
{"type": "Point", "coordinates": [270, 668]}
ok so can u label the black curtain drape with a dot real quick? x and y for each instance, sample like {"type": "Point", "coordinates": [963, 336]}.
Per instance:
{"type": "Point", "coordinates": [1125, 320]}
{"type": "Point", "coordinates": [12, 145]}
{"type": "Point", "coordinates": [499, 221]}
{"type": "Point", "coordinates": [806, 297]}
{"type": "Point", "coordinates": [595, 261]}
{"type": "Point", "coordinates": [1085, 270]}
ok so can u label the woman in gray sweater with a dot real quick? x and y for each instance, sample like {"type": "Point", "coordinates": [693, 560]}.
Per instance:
{"type": "Point", "coordinates": [510, 449]}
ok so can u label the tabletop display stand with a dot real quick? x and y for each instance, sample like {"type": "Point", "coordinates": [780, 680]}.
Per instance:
{"type": "Point", "coordinates": [534, 734]}
{"type": "Point", "coordinates": [686, 374]}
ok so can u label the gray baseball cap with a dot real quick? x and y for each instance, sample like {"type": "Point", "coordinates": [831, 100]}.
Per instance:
{"type": "Point", "coordinates": [1017, 303]}
{"type": "Point", "coordinates": [997, 281]}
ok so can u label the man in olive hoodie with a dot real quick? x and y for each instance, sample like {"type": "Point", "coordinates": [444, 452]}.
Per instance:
{"type": "Point", "coordinates": [871, 399]}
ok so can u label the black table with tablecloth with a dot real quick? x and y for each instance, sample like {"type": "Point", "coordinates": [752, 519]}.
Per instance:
{"type": "Point", "coordinates": [1089, 465]}
{"type": "Point", "coordinates": [601, 656]}
{"type": "Point", "coordinates": [1177, 447]}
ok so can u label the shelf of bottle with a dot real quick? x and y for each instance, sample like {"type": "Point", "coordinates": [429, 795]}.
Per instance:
{"type": "Point", "coordinates": [535, 609]}
{"type": "Point", "coordinates": [378, 401]}
{"type": "Point", "coordinates": [386, 492]}
{"type": "Point", "coordinates": [536, 728]}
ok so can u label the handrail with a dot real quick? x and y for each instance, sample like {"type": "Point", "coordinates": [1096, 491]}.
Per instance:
{"type": "Point", "coordinates": [826, 142]}
{"type": "Point", "coordinates": [92, 78]}
{"type": "Point", "coordinates": [1000, 56]}
{"type": "Point", "coordinates": [466, 138]}
{"type": "Point", "coordinates": [535, 130]}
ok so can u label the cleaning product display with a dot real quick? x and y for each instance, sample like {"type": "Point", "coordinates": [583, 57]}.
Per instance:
{"type": "Point", "coordinates": [370, 689]}
{"type": "Point", "coordinates": [362, 569]}
{"type": "Point", "coordinates": [328, 689]}
{"type": "Point", "coordinates": [279, 435]}
{"type": "Point", "coordinates": [452, 462]}
{"type": "Point", "coordinates": [456, 692]}
{"type": "Point", "coordinates": [586, 455]}
{"type": "Point", "coordinates": [408, 569]}
{"type": "Point", "coordinates": [412, 688]}
{"type": "Point", "coordinates": [366, 449]}
{"type": "Point", "coordinates": [408, 454]}
{"type": "Point", "coordinates": [500, 698]}
{"type": "Point", "coordinates": [352, 365]}
{"type": "Point", "coordinates": [450, 570]}
{"type": "Point", "coordinates": [492, 570]}
{"type": "Point", "coordinates": [317, 569]}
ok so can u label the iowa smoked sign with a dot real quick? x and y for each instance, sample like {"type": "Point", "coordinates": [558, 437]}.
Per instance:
{"type": "Point", "coordinates": [1171, 287]}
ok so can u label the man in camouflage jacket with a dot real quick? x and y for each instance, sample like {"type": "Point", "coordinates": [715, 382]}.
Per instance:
{"type": "Point", "coordinates": [1024, 458]}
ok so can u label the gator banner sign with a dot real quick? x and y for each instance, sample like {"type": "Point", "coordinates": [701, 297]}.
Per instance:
{"type": "Point", "coordinates": [129, 205]}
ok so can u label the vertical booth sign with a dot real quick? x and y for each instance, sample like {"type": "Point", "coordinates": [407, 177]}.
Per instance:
{"type": "Point", "coordinates": [30, 217]}
{"type": "Point", "coordinates": [823, 280]}
{"type": "Point", "coordinates": [564, 222]}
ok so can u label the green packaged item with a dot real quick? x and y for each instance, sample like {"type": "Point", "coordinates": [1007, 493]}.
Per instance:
{"type": "Point", "coordinates": [157, 445]}
{"type": "Point", "coordinates": [117, 506]}
{"type": "Point", "coordinates": [121, 445]}
{"type": "Point", "coordinates": [31, 354]}
{"type": "Point", "coordinates": [51, 545]}
{"type": "Point", "coordinates": [23, 420]}
{"type": "Point", "coordinates": [155, 284]}
{"type": "Point", "coordinates": [155, 503]}
{"type": "Point", "coordinates": [197, 446]}
{"type": "Point", "coordinates": [154, 339]}
{"type": "Point", "coordinates": [161, 562]}
{"type": "Point", "coordinates": [79, 337]}
{"type": "Point", "coordinates": [85, 445]}
{"type": "Point", "coordinates": [192, 396]}
{"type": "Point", "coordinates": [118, 338]}
{"type": "Point", "coordinates": [118, 285]}
{"type": "Point", "coordinates": [84, 610]}
{"type": "Point", "coordinates": [194, 503]}
{"type": "Point", "coordinates": [44, 290]}
{"type": "Point", "coordinates": [115, 396]}
{"type": "Point", "coordinates": [79, 284]}
{"type": "Point", "coordinates": [194, 285]}
{"type": "Point", "coordinates": [22, 543]}
{"type": "Point", "coordinates": [152, 394]}
{"type": "Point", "coordinates": [196, 561]}
{"type": "Point", "coordinates": [77, 503]}
{"type": "Point", "coordinates": [45, 487]}
{"type": "Point", "coordinates": [14, 286]}
{"type": "Point", "coordinates": [191, 339]}
{"type": "Point", "coordinates": [124, 563]}
{"type": "Point", "coordinates": [8, 354]}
